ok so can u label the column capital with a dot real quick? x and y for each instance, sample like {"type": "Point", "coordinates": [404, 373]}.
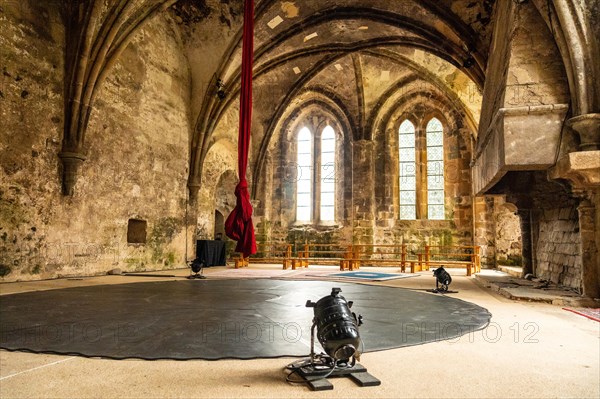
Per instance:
{"type": "Point", "coordinates": [587, 128]}
{"type": "Point", "coordinates": [588, 196]}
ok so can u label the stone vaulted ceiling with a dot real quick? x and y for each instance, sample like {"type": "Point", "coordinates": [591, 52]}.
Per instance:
{"type": "Point", "coordinates": [357, 54]}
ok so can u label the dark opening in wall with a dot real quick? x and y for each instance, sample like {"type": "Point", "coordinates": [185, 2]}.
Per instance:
{"type": "Point", "coordinates": [219, 224]}
{"type": "Point", "coordinates": [136, 231]}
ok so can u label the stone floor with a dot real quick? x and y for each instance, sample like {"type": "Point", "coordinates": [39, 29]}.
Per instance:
{"type": "Point", "coordinates": [530, 349]}
{"type": "Point", "coordinates": [507, 284]}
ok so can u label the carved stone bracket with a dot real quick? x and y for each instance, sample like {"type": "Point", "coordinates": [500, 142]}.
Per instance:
{"type": "Point", "coordinates": [255, 203]}
{"type": "Point", "coordinates": [193, 188]}
{"type": "Point", "coordinates": [582, 168]}
{"type": "Point", "coordinates": [70, 162]}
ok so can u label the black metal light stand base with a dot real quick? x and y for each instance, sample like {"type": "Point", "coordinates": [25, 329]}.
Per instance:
{"type": "Point", "coordinates": [438, 291]}
{"type": "Point", "coordinates": [356, 373]}
{"type": "Point", "coordinates": [192, 276]}
{"type": "Point", "coordinates": [196, 267]}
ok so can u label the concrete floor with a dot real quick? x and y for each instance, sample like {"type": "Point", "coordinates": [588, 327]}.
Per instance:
{"type": "Point", "coordinates": [530, 349]}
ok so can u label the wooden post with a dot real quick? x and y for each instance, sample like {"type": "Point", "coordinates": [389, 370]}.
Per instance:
{"type": "Point", "coordinates": [305, 260]}
{"type": "Point", "coordinates": [403, 259]}
{"type": "Point", "coordinates": [420, 263]}
{"type": "Point", "coordinates": [356, 263]}
{"type": "Point", "coordinates": [288, 257]}
{"type": "Point", "coordinates": [345, 263]}
{"type": "Point", "coordinates": [427, 257]}
{"type": "Point", "coordinates": [241, 262]}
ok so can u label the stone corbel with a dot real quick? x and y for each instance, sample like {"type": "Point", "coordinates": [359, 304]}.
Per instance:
{"type": "Point", "coordinates": [255, 203]}
{"type": "Point", "coordinates": [581, 168]}
{"type": "Point", "coordinates": [588, 197]}
{"type": "Point", "coordinates": [71, 161]}
{"type": "Point", "coordinates": [194, 188]}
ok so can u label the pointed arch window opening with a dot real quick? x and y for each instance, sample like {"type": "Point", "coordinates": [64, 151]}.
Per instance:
{"type": "Point", "coordinates": [304, 180]}
{"type": "Point", "coordinates": [435, 170]}
{"type": "Point", "coordinates": [328, 173]}
{"type": "Point", "coordinates": [408, 171]}
{"type": "Point", "coordinates": [316, 175]}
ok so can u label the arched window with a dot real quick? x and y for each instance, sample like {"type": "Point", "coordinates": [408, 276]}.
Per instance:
{"type": "Point", "coordinates": [408, 169]}
{"type": "Point", "coordinates": [327, 174]}
{"type": "Point", "coordinates": [304, 181]}
{"type": "Point", "coordinates": [435, 170]}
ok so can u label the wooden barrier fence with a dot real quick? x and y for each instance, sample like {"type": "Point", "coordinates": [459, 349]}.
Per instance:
{"type": "Point", "coordinates": [353, 256]}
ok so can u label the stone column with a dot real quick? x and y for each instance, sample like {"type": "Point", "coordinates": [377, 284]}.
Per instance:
{"type": "Point", "coordinates": [484, 233]}
{"type": "Point", "coordinates": [587, 128]}
{"type": "Point", "coordinates": [588, 231]}
{"type": "Point", "coordinates": [582, 169]}
{"type": "Point", "coordinates": [535, 236]}
{"type": "Point", "coordinates": [261, 207]}
{"type": "Point", "coordinates": [363, 191]}
{"type": "Point", "coordinates": [526, 248]}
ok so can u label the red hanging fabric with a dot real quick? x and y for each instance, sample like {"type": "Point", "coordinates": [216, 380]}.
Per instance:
{"type": "Point", "coordinates": [238, 225]}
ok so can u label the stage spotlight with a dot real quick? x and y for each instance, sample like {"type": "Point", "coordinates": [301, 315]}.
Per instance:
{"type": "Point", "coordinates": [442, 279]}
{"type": "Point", "coordinates": [337, 330]}
{"type": "Point", "coordinates": [337, 326]}
{"type": "Point", "coordinates": [196, 265]}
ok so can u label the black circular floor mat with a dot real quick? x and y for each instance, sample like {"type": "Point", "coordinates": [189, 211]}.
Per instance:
{"type": "Point", "coordinates": [216, 319]}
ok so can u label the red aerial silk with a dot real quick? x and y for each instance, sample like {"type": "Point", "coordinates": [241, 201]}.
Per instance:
{"type": "Point", "coordinates": [238, 225]}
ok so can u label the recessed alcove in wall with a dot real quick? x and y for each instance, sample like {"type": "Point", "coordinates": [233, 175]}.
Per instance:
{"type": "Point", "coordinates": [136, 231]}
{"type": "Point", "coordinates": [225, 192]}
{"type": "Point", "coordinates": [508, 238]}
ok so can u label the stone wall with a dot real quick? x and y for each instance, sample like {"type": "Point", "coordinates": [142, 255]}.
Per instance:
{"type": "Point", "coordinates": [507, 241]}
{"type": "Point", "coordinates": [137, 151]}
{"type": "Point", "coordinates": [367, 200]}
{"type": "Point", "coordinates": [552, 212]}
{"type": "Point", "coordinates": [485, 229]}
{"type": "Point", "coordinates": [218, 173]}
{"type": "Point", "coordinates": [457, 228]}
{"type": "Point", "coordinates": [558, 258]}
